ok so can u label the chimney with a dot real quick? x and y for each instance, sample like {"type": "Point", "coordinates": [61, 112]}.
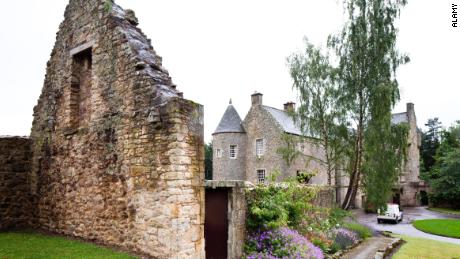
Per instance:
{"type": "Point", "coordinates": [256, 99]}
{"type": "Point", "coordinates": [410, 107]}
{"type": "Point", "coordinates": [289, 106]}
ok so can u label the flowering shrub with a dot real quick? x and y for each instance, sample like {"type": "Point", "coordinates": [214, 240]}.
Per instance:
{"type": "Point", "coordinates": [345, 238]}
{"type": "Point", "coordinates": [280, 243]}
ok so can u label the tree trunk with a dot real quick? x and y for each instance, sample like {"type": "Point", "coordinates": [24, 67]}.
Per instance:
{"type": "Point", "coordinates": [356, 172]}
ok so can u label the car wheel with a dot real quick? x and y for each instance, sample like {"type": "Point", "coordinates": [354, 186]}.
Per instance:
{"type": "Point", "coordinates": [378, 221]}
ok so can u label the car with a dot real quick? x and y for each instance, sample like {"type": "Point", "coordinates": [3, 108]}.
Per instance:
{"type": "Point", "coordinates": [392, 213]}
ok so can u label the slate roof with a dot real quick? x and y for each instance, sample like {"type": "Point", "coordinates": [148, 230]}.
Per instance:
{"type": "Point", "coordinates": [230, 122]}
{"type": "Point", "coordinates": [284, 120]}
{"type": "Point", "coordinates": [399, 118]}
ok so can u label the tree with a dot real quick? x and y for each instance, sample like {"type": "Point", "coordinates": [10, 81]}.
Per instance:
{"type": "Point", "coordinates": [368, 60]}
{"type": "Point", "coordinates": [208, 161]}
{"type": "Point", "coordinates": [444, 174]}
{"type": "Point", "coordinates": [319, 113]}
{"type": "Point", "coordinates": [446, 187]}
{"type": "Point", "coordinates": [362, 90]}
{"type": "Point", "coordinates": [430, 143]}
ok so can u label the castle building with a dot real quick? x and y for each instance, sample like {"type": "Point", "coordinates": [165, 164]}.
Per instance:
{"type": "Point", "coordinates": [258, 147]}
{"type": "Point", "coordinates": [252, 149]}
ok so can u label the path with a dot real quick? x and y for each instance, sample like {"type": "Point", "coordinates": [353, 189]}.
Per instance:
{"type": "Point", "coordinates": [405, 227]}
{"type": "Point", "coordinates": [368, 248]}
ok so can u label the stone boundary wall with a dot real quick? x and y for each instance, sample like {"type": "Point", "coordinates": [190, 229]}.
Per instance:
{"type": "Point", "coordinates": [16, 205]}
{"type": "Point", "coordinates": [325, 197]}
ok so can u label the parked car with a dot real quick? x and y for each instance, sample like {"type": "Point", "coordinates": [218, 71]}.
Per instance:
{"type": "Point", "coordinates": [392, 213]}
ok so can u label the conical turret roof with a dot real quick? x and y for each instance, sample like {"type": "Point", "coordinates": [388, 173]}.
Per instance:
{"type": "Point", "coordinates": [230, 122]}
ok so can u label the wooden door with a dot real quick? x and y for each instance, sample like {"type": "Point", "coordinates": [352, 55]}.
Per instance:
{"type": "Point", "coordinates": [216, 223]}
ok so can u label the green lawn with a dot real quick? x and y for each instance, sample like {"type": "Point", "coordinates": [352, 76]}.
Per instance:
{"type": "Point", "coordinates": [444, 210]}
{"type": "Point", "coordinates": [440, 227]}
{"type": "Point", "coordinates": [420, 248]}
{"type": "Point", "coordinates": [37, 246]}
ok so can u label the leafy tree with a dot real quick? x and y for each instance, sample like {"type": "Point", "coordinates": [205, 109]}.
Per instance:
{"type": "Point", "coordinates": [430, 143]}
{"type": "Point", "coordinates": [361, 90]}
{"type": "Point", "coordinates": [208, 161]}
{"type": "Point", "coordinates": [319, 113]}
{"type": "Point", "coordinates": [443, 175]}
{"type": "Point", "coordinates": [288, 150]}
{"type": "Point", "coordinates": [368, 60]}
{"type": "Point", "coordinates": [446, 186]}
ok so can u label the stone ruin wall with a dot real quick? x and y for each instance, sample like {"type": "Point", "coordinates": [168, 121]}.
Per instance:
{"type": "Point", "coordinates": [16, 205]}
{"type": "Point", "coordinates": [117, 152]}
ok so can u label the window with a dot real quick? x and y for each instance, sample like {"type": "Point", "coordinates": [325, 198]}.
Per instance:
{"type": "Point", "coordinates": [80, 89]}
{"type": "Point", "coordinates": [219, 153]}
{"type": "Point", "coordinates": [233, 151]}
{"type": "Point", "coordinates": [261, 176]}
{"type": "Point", "coordinates": [259, 147]}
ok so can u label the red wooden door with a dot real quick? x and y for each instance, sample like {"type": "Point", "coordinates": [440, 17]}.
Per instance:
{"type": "Point", "coordinates": [216, 223]}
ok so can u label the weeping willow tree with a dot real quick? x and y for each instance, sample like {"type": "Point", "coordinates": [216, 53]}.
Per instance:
{"type": "Point", "coordinates": [361, 90]}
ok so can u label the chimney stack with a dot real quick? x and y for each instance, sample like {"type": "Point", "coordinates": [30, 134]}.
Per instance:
{"type": "Point", "coordinates": [409, 107]}
{"type": "Point", "coordinates": [289, 106]}
{"type": "Point", "coordinates": [256, 99]}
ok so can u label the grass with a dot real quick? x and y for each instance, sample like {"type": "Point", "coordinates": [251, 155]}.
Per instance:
{"type": "Point", "coordinates": [445, 210]}
{"type": "Point", "coordinates": [363, 231]}
{"type": "Point", "coordinates": [440, 227]}
{"type": "Point", "coordinates": [39, 246]}
{"type": "Point", "coordinates": [421, 248]}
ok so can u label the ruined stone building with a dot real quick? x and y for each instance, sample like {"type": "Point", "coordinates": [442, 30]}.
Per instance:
{"type": "Point", "coordinates": [115, 154]}
{"type": "Point", "coordinates": [410, 189]}
{"type": "Point", "coordinates": [251, 149]}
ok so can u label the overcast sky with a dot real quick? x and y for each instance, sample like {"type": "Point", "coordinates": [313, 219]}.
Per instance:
{"type": "Point", "coordinates": [217, 50]}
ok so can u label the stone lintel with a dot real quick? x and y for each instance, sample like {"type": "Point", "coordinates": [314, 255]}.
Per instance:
{"type": "Point", "coordinates": [227, 184]}
{"type": "Point", "coordinates": [82, 47]}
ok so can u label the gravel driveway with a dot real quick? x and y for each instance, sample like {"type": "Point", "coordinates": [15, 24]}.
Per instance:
{"type": "Point", "coordinates": [405, 227]}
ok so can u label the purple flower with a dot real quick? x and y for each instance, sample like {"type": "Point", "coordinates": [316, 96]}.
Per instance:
{"type": "Point", "coordinates": [345, 238]}
{"type": "Point", "coordinates": [282, 243]}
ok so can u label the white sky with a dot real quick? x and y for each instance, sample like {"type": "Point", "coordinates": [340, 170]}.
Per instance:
{"type": "Point", "coordinates": [217, 50]}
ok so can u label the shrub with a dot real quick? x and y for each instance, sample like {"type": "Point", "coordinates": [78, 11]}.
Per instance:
{"type": "Point", "coordinates": [280, 243]}
{"type": "Point", "coordinates": [363, 231]}
{"type": "Point", "coordinates": [278, 205]}
{"type": "Point", "coordinates": [345, 238]}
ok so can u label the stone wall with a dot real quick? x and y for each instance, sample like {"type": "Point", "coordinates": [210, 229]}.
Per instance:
{"type": "Point", "coordinates": [16, 205]}
{"type": "Point", "coordinates": [117, 152]}
{"type": "Point", "coordinates": [325, 197]}
{"type": "Point", "coordinates": [224, 167]}
{"type": "Point", "coordinates": [259, 124]}
{"type": "Point", "coordinates": [237, 210]}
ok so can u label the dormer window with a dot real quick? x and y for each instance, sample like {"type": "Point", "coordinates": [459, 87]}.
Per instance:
{"type": "Point", "coordinates": [260, 149]}
{"type": "Point", "coordinates": [233, 151]}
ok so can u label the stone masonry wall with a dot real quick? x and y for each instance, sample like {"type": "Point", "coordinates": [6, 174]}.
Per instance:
{"type": "Point", "coordinates": [117, 152]}
{"type": "Point", "coordinates": [16, 205]}
{"type": "Point", "coordinates": [259, 124]}
{"type": "Point", "coordinates": [226, 168]}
